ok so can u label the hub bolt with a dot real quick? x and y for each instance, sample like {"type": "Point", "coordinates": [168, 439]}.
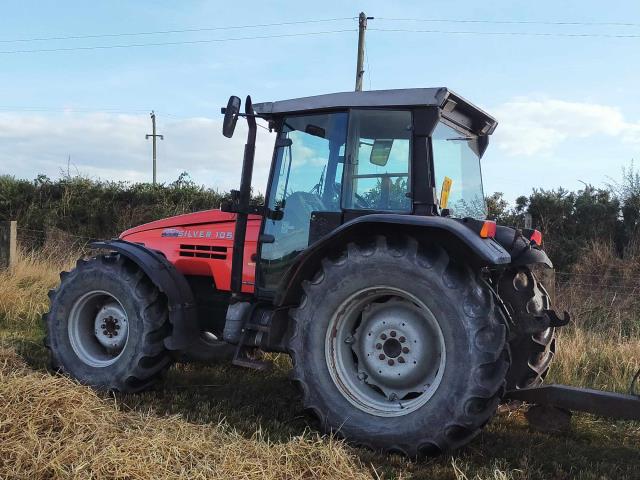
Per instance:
{"type": "Point", "coordinates": [393, 333]}
{"type": "Point", "coordinates": [104, 325]}
{"type": "Point", "coordinates": [391, 362]}
{"type": "Point", "coordinates": [378, 346]}
{"type": "Point", "coordinates": [381, 356]}
{"type": "Point", "coordinates": [402, 339]}
{"type": "Point", "coordinates": [400, 359]}
{"type": "Point", "coordinates": [405, 349]}
{"type": "Point", "coordinates": [383, 336]}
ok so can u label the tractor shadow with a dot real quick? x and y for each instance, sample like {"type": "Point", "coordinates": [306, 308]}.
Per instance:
{"type": "Point", "coordinates": [246, 400]}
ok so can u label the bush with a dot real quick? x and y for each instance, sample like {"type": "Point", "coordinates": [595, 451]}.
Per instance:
{"type": "Point", "coordinates": [95, 209]}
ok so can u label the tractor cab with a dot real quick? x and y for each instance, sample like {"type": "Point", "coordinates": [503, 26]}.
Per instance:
{"type": "Point", "coordinates": [345, 155]}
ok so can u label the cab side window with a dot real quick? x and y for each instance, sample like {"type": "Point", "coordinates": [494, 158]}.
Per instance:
{"type": "Point", "coordinates": [377, 175]}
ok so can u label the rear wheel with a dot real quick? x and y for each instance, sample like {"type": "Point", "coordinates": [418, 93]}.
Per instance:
{"type": "Point", "coordinates": [531, 353]}
{"type": "Point", "coordinates": [398, 348]}
{"type": "Point", "coordinates": [107, 324]}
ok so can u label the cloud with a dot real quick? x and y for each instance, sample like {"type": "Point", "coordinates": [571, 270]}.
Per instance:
{"type": "Point", "coordinates": [113, 147]}
{"type": "Point", "coordinates": [530, 127]}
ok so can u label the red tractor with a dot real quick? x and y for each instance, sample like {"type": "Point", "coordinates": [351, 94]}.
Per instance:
{"type": "Point", "coordinates": [407, 314]}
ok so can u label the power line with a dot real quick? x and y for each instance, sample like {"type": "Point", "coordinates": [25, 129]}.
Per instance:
{"type": "Point", "coordinates": [14, 108]}
{"type": "Point", "coordinates": [521, 34]}
{"type": "Point", "coordinates": [511, 22]}
{"type": "Point", "coordinates": [185, 42]}
{"type": "Point", "coordinates": [164, 32]}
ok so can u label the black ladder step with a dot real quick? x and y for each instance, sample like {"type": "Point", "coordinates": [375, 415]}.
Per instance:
{"type": "Point", "coordinates": [260, 365]}
{"type": "Point", "coordinates": [256, 327]}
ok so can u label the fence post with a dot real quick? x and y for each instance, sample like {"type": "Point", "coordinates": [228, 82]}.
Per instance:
{"type": "Point", "coordinates": [8, 242]}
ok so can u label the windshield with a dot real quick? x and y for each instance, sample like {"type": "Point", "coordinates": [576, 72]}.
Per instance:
{"type": "Point", "coordinates": [455, 157]}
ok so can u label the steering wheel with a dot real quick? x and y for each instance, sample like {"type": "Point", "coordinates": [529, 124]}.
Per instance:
{"type": "Point", "coordinates": [298, 208]}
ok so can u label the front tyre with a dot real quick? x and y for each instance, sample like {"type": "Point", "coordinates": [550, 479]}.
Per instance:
{"type": "Point", "coordinates": [107, 324]}
{"type": "Point", "coordinates": [397, 348]}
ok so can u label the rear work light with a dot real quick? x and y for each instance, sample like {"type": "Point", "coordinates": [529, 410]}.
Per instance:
{"type": "Point", "coordinates": [488, 229]}
{"type": "Point", "coordinates": [536, 237]}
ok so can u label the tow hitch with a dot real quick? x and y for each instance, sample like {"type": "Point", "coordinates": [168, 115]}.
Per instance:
{"type": "Point", "coordinates": [558, 401]}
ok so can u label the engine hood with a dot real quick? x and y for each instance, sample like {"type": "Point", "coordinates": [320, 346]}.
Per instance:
{"type": "Point", "coordinates": [186, 220]}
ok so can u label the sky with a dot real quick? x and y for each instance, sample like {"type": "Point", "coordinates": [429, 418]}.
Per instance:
{"type": "Point", "coordinates": [567, 105]}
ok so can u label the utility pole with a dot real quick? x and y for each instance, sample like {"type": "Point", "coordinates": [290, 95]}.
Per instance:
{"type": "Point", "coordinates": [362, 27]}
{"type": "Point", "coordinates": [153, 137]}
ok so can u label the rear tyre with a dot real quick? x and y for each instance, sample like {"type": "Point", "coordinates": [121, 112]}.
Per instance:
{"type": "Point", "coordinates": [531, 354]}
{"type": "Point", "coordinates": [107, 324]}
{"type": "Point", "coordinates": [397, 348]}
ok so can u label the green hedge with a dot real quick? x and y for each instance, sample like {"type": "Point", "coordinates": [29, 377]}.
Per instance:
{"type": "Point", "coordinates": [94, 209]}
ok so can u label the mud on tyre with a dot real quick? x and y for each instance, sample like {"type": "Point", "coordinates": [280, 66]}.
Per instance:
{"type": "Point", "coordinates": [398, 348]}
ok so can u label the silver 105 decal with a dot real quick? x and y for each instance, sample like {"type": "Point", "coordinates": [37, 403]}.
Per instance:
{"type": "Point", "coordinates": [175, 233]}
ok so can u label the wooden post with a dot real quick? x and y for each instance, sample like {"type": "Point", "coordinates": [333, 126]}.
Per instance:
{"type": "Point", "coordinates": [362, 27]}
{"type": "Point", "coordinates": [8, 242]}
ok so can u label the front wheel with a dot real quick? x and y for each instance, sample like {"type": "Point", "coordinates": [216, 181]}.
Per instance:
{"type": "Point", "coordinates": [107, 325]}
{"type": "Point", "coordinates": [398, 348]}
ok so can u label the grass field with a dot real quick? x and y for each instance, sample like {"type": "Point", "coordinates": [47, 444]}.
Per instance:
{"type": "Point", "coordinates": [226, 422]}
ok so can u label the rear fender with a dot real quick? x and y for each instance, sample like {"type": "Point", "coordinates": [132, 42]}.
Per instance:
{"type": "Point", "coordinates": [521, 249]}
{"type": "Point", "coordinates": [458, 239]}
{"type": "Point", "coordinates": [182, 308]}
{"type": "Point", "coordinates": [532, 256]}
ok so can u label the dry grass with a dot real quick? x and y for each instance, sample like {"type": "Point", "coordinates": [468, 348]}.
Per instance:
{"type": "Point", "coordinates": [596, 360]}
{"type": "Point", "coordinates": [51, 427]}
{"type": "Point", "coordinates": [601, 348]}
{"type": "Point", "coordinates": [23, 288]}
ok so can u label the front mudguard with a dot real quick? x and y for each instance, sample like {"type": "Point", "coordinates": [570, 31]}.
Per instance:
{"type": "Point", "coordinates": [186, 341]}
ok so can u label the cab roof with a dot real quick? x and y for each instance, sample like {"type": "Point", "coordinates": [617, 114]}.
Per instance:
{"type": "Point", "coordinates": [452, 106]}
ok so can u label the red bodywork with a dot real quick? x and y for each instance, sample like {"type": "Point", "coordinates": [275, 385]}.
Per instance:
{"type": "Point", "coordinates": [201, 243]}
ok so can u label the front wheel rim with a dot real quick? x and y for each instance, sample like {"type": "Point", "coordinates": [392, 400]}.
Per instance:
{"type": "Point", "coordinates": [98, 328]}
{"type": "Point", "coordinates": [385, 351]}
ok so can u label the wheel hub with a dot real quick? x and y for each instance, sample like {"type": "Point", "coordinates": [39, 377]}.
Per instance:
{"type": "Point", "coordinates": [110, 326]}
{"type": "Point", "coordinates": [395, 348]}
{"type": "Point", "coordinates": [98, 328]}
{"type": "Point", "coordinates": [385, 351]}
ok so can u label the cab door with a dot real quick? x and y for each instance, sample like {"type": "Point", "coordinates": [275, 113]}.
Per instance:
{"type": "Point", "coordinates": [306, 178]}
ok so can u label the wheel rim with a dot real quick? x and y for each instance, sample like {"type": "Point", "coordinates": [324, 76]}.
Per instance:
{"type": "Point", "coordinates": [385, 351]}
{"type": "Point", "coordinates": [98, 328]}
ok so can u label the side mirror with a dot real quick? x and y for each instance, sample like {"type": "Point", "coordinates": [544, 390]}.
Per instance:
{"type": "Point", "coordinates": [380, 152]}
{"type": "Point", "coordinates": [230, 116]}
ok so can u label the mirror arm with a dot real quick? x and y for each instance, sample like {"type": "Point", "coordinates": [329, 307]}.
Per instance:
{"type": "Point", "coordinates": [223, 110]}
